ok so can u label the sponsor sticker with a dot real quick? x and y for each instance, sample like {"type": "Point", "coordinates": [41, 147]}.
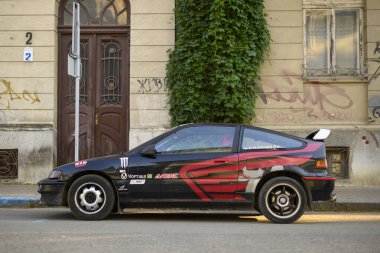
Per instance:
{"type": "Point", "coordinates": [131, 176]}
{"type": "Point", "coordinates": [137, 181]}
{"type": "Point", "coordinates": [80, 164]}
{"type": "Point", "coordinates": [123, 188]}
{"type": "Point", "coordinates": [124, 162]}
{"type": "Point", "coordinates": [124, 176]}
{"type": "Point", "coordinates": [262, 147]}
{"type": "Point", "coordinates": [149, 176]}
{"type": "Point", "coordinates": [166, 176]}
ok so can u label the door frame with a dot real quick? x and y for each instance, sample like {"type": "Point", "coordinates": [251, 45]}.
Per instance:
{"type": "Point", "coordinates": [90, 30]}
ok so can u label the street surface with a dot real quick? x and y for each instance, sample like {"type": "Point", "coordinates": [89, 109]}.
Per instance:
{"type": "Point", "coordinates": [56, 230]}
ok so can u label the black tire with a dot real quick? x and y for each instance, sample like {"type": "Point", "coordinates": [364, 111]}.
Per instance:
{"type": "Point", "coordinates": [282, 200]}
{"type": "Point", "coordinates": [91, 197]}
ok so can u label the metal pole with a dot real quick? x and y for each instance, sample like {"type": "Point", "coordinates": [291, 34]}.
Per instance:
{"type": "Point", "coordinates": [76, 52]}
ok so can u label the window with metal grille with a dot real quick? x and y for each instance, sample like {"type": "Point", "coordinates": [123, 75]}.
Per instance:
{"type": "Point", "coordinates": [337, 158]}
{"type": "Point", "coordinates": [8, 163]}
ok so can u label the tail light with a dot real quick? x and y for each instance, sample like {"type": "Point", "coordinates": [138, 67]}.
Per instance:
{"type": "Point", "coordinates": [321, 164]}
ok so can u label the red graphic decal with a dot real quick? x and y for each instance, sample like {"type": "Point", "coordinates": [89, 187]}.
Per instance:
{"type": "Point", "coordinates": [195, 173]}
{"type": "Point", "coordinates": [80, 164]}
{"type": "Point", "coordinates": [211, 179]}
{"type": "Point", "coordinates": [239, 197]}
{"type": "Point", "coordinates": [273, 161]}
{"type": "Point", "coordinates": [166, 175]}
{"type": "Point", "coordinates": [212, 171]}
{"type": "Point", "coordinates": [241, 187]}
{"type": "Point", "coordinates": [220, 188]}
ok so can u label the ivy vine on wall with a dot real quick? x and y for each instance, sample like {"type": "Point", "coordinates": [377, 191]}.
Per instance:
{"type": "Point", "coordinates": [214, 67]}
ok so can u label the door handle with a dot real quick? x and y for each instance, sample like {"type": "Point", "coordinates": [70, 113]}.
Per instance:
{"type": "Point", "coordinates": [96, 119]}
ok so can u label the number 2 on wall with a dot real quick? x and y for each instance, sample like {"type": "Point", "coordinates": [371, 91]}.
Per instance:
{"type": "Point", "coordinates": [28, 56]}
{"type": "Point", "coordinates": [29, 37]}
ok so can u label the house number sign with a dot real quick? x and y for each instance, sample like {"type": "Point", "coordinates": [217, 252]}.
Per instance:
{"type": "Point", "coordinates": [28, 51]}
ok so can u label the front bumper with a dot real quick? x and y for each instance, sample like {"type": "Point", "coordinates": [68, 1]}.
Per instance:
{"type": "Point", "coordinates": [321, 188]}
{"type": "Point", "coordinates": [52, 192]}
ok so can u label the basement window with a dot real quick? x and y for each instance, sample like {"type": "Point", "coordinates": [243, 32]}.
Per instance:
{"type": "Point", "coordinates": [8, 163]}
{"type": "Point", "coordinates": [337, 158]}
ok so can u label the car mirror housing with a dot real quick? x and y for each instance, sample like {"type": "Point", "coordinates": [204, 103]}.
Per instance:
{"type": "Point", "coordinates": [149, 151]}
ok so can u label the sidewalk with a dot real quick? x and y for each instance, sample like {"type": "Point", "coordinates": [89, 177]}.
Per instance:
{"type": "Point", "coordinates": [19, 195]}
{"type": "Point", "coordinates": [352, 199]}
{"type": "Point", "coordinates": [349, 198]}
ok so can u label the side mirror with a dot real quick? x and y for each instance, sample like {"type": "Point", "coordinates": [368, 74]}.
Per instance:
{"type": "Point", "coordinates": [149, 151]}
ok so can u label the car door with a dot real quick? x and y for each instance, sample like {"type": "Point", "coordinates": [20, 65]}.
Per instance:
{"type": "Point", "coordinates": [195, 163]}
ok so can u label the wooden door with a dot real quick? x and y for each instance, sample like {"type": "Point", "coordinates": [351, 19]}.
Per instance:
{"type": "Point", "coordinates": [104, 97]}
{"type": "Point", "coordinates": [111, 95]}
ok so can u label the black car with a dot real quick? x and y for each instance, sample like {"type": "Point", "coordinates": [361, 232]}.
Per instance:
{"type": "Point", "coordinates": [200, 165]}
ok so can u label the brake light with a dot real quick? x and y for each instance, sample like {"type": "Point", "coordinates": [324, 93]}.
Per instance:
{"type": "Point", "coordinates": [321, 164]}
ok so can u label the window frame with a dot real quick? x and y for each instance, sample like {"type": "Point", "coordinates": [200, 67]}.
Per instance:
{"type": "Point", "coordinates": [360, 74]}
{"type": "Point", "coordinates": [234, 147]}
{"type": "Point", "coordinates": [240, 146]}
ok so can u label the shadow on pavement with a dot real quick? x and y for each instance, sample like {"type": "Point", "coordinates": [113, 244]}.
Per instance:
{"type": "Point", "coordinates": [191, 217]}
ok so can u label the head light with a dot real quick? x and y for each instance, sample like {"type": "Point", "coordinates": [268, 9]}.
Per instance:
{"type": "Point", "coordinates": [54, 174]}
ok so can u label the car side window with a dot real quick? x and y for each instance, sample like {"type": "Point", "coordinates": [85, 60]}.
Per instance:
{"type": "Point", "coordinates": [198, 139]}
{"type": "Point", "coordinates": [254, 139]}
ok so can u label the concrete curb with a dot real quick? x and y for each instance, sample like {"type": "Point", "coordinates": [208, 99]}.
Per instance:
{"type": "Point", "coordinates": [345, 207]}
{"type": "Point", "coordinates": [20, 202]}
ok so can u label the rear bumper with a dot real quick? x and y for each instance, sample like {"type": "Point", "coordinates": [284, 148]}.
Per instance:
{"type": "Point", "coordinates": [52, 192]}
{"type": "Point", "coordinates": [321, 188]}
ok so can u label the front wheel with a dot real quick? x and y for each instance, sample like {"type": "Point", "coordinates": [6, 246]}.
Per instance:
{"type": "Point", "coordinates": [91, 197]}
{"type": "Point", "coordinates": [282, 200]}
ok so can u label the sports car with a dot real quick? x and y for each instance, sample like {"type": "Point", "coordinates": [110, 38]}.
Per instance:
{"type": "Point", "coordinates": [229, 166]}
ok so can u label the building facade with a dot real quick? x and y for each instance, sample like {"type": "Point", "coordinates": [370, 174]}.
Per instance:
{"type": "Point", "coordinates": [322, 72]}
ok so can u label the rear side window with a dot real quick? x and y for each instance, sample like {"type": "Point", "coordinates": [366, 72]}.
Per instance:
{"type": "Point", "coordinates": [254, 139]}
{"type": "Point", "coordinates": [198, 139]}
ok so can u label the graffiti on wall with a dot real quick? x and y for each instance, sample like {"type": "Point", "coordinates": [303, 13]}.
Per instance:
{"type": "Point", "coordinates": [374, 108]}
{"type": "Point", "coordinates": [8, 95]}
{"type": "Point", "coordinates": [377, 72]}
{"type": "Point", "coordinates": [374, 101]}
{"type": "Point", "coordinates": [324, 101]}
{"type": "Point", "coordinates": [152, 85]}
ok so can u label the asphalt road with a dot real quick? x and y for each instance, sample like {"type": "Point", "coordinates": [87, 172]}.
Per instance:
{"type": "Point", "coordinates": [56, 230]}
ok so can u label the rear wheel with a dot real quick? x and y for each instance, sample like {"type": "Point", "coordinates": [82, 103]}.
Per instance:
{"type": "Point", "coordinates": [282, 200]}
{"type": "Point", "coordinates": [91, 197]}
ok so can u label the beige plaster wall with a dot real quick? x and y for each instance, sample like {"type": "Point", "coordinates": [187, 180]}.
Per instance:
{"type": "Point", "coordinates": [27, 89]}
{"type": "Point", "coordinates": [152, 35]}
{"type": "Point", "coordinates": [281, 73]}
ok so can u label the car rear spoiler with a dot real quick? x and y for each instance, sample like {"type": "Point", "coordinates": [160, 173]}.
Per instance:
{"type": "Point", "coordinates": [319, 135]}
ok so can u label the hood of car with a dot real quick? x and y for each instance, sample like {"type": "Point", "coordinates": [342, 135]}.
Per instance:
{"type": "Point", "coordinates": [92, 163]}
